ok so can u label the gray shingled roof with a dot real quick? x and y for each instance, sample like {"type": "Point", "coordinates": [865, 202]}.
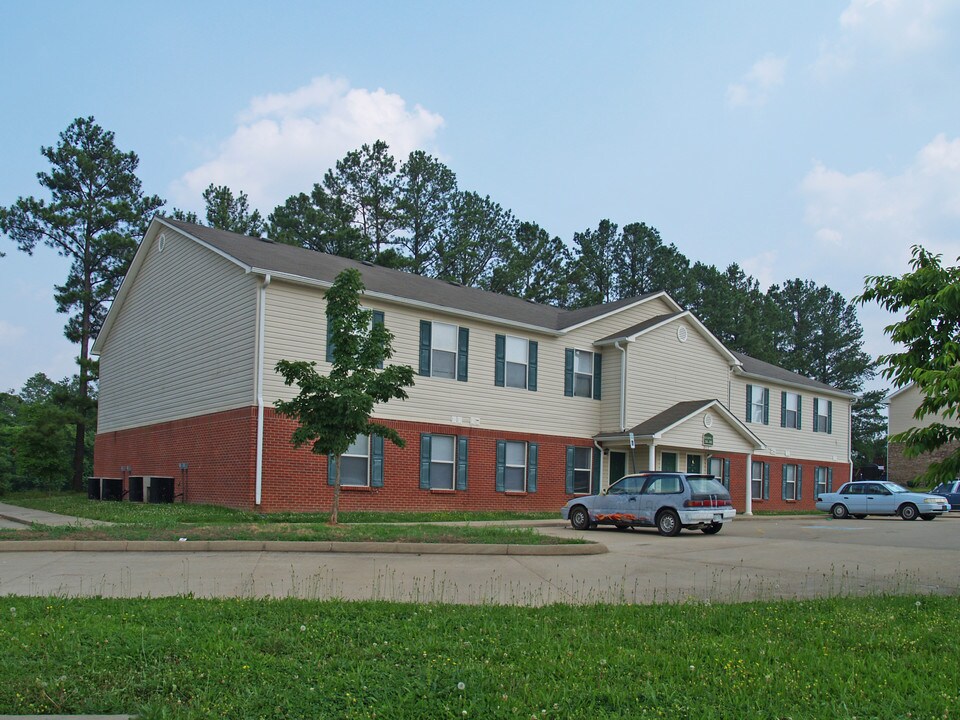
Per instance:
{"type": "Point", "coordinates": [752, 366]}
{"type": "Point", "coordinates": [308, 264]}
{"type": "Point", "coordinates": [670, 416]}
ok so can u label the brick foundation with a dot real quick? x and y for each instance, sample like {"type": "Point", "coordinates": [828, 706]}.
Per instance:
{"type": "Point", "coordinates": [220, 453]}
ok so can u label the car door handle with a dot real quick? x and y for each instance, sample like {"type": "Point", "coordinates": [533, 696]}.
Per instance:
{"type": "Point", "coordinates": [633, 498]}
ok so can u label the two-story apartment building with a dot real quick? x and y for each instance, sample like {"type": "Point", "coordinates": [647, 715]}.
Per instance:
{"type": "Point", "coordinates": [516, 405]}
{"type": "Point", "coordinates": [902, 404]}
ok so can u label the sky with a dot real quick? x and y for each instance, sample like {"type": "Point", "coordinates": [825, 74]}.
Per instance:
{"type": "Point", "coordinates": [818, 140]}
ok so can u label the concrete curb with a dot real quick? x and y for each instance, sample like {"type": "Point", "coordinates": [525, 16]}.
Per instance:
{"type": "Point", "coordinates": [301, 546]}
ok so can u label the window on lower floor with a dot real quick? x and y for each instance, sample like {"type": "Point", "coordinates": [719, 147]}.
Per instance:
{"type": "Point", "coordinates": [582, 458]}
{"type": "Point", "coordinates": [720, 468]}
{"type": "Point", "coordinates": [791, 482]}
{"type": "Point", "coordinates": [759, 471]}
{"type": "Point", "coordinates": [355, 463]}
{"type": "Point", "coordinates": [823, 477]}
{"type": "Point", "coordinates": [516, 469]}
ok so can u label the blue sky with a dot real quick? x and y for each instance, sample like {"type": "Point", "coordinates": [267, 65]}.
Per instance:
{"type": "Point", "coordinates": [815, 140]}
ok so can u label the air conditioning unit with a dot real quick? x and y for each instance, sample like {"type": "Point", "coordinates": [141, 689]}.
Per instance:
{"type": "Point", "coordinates": [135, 488]}
{"type": "Point", "coordinates": [158, 489]}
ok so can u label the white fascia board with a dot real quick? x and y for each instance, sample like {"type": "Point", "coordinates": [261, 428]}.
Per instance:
{"type": "Point", "coordinates": [797, 386]}
{"type": "Point", "coordinates": [898, 391]}
{"type": "Point", "coordinates": [407, 302]}
{"type": "Point", "coordinates": [730, 417]}
{"type": "Point", "coordinates": [640, 301]}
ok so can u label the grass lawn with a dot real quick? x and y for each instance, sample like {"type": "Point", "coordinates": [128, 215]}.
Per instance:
{"type": "Point", "coordinates": [875, 657]}
{"type": "Point", "coordinates": [138, 521]}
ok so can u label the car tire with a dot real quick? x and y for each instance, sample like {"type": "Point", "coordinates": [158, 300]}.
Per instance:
{"type": "Point", "coordinates": [860, 516]}
{"type": "Point", "coordinates": [908, 511]}
{"type": "Point", "coordinates": [668, 523]}
{"type": "Point", "coordinates": [839, 511]}
{"type": "Point", "coordinates": [929, 517]}
{"type": "Point", "coordinates": [580, 518]}
{"type": "Point", "coordinates": [711, 529]}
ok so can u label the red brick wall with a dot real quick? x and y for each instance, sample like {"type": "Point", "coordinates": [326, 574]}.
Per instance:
{"type": "Point", "coordinates": [220, 451]}
{"type": "Point", "coordinates": [841, 474]}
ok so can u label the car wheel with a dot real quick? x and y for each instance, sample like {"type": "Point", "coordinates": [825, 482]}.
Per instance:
{"type": "Point", "coordinates": [580, 518]}
{"type": "Point", "coordinates": [909, 511]}
{"type": "Point", "coordinates": [839, 511]}
{"type": "Point", "coordinates": [929, 517]}
{"type": "Point", "coordinates": [668, 523]}
{"type": "Point", "coordinates": [859, 516]}
{"type": "Point", "coordinates": [711, 529]}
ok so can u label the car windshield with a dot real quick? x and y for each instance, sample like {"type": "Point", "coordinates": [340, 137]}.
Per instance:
{"type": "Point", "coordinates": [894, 488]}
{"type": "Point", "coordinates": [706, 486]}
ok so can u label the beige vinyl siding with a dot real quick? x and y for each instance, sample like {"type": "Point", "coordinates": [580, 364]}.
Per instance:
{"type": "Point", "coordinates": [296, 329]}
{"type": "Point", "coordinates": [690, 434]}
{"type": "Point", "coordinates": [804, 444]}
{"type": "Point", "coordinates": [904, 405]}
{"type": "Point", "coordinates": [663, 371]}
{"type": "Point", "coordinates": [183, 342]}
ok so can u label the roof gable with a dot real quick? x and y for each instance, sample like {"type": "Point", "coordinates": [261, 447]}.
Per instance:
{"type": "Point", "coordinates": [661, 423]}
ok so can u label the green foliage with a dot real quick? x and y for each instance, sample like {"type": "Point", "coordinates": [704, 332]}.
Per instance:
{"type": "Point", "coordinates": [479, 230]}
{"type": "Point", "coordinates": [928, 296]}
{"type": "Point", "coordinates": [534, 266]}
{"type": "Point", "coordinates": [226, 212]}
{"type": "Point", "coordinates": [333, 410]}
{"type": "Point", "coordinates": [95, 215]}
{"type": "Point", "coordinates": [320, 222]}
{"type": "Point", "coordinates": [869, 431]}
{"type": "Point", "coordinates": [594, 279]}
{"type": "Point", "coordinates": [427, 192]}
{"type": "Point", "coordinates": [239, 658]}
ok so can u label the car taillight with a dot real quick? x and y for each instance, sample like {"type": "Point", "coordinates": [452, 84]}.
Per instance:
{"type": "Point", "coordinates": [709, 502]}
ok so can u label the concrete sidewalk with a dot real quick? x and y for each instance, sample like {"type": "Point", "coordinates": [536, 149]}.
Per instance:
{"type": "Point", "coordinates": [27, 516]}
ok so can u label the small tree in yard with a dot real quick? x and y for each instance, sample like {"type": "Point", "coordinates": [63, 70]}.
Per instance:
{"type": "Point", "coordinates": [333, 410]}
{"type": "Point", "coordinates": [929, 296]}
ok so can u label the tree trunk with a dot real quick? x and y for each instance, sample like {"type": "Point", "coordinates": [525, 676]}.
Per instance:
{"type": "Point", "coordinates": [336, 492]}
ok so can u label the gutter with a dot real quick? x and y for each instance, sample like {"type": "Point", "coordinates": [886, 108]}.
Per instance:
{"type": "Point", "coordinates": [623, 385]}
{"type": "Point", "coordinates": [261, 324]}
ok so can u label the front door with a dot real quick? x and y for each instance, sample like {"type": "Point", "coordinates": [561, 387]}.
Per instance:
{"type": "Point", "coordinates": [668, 462]}
{"type": "Point", "coordinates": [693, 464]}
{"type": "Point", "coordinates": [618, 466]}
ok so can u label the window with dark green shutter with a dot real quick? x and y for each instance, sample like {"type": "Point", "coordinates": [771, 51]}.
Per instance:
{"type": "Point", "coordinates": [444, 350]}
{"type": "Point", "coordinates": [361, 465]}
{"type": "Point", "coordinates": [581, 376]}
{"type": "Point", "coordinates": [790, 410]}
{"type": "Point", "coordinates": [438, 465]}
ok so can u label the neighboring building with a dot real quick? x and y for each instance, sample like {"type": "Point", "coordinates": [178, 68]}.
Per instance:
{"type": "Point", "coordinates": [902, 404]}
{"type": "Point", "coordinates": [517, 406]}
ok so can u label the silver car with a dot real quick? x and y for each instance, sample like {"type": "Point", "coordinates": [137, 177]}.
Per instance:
{"type": "Point", "coordinates": [863, 498]}
{"type": "Point", "coordinates": [668, 501]}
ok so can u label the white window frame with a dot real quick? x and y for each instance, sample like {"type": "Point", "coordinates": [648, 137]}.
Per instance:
{"type": "Point", "coordinates": [452, 462]}
{"type": "Point", "coordinates": [516, 347]}
{"type": "Point", "coordinates": [756, 480]}
{"type": "Point", "coordinates": [719, 464]}
{"type": "Point", "coordinates": [580, 470]}
{"type": "Point", "coordinates": [820, 486]}
{"type": "Point", "coordinates": [795, 397]}
{"type": "Point", "coordinates": [508, 466]}
{"type": "Point", "coordinates": [435, 348]}
{"type": "Point", "coordinates": [579, 374]}
{"type": "Point", "coordinates": [822, 417]}
{"type": "Point", "coordinates": [757, 393]}
{"type": "Point", "coordinates": [790, 482]}
{"type": "Point", "coordinates": [355, 454]}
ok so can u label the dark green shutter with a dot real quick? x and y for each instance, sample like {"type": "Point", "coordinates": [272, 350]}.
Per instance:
{"type": "Point", "coordinates": [595, 473]}
{"type": "Point", "coordinates": [799, 485]}
{"type": "Point", "coordinates": [426, 332]}
{"type": "Point", "coordinates": [568, 372]}
{"type": "Point", "coordinates": [816, 407]}
{"type": "Point", "coordinates": [425, 462]}
{"type": "Point", "coordinates": [571, 454]}
{"type": "Point", "coordinates": [378, 319]}
{"type": "Point", "coordinates": [829, 417]}
{"type": "Point", "coordinates": [749, 414]}
{"type": "Point", "coordinates": [799, 409]}
{"type": "Point", "coordinates": [499, 360]}
{"type": "Point", "coordinates": [532, 365]}
{"type": "Point", "coordinates": [329, 341]}
{"type": "Point", "coordinates": [726, 473]}
{"type": "Point", "coordinates": [766, 481]}
{"type": "Point", "coordinates": [331, 469]}
{"type": "Point", "coordinates": [463, 352]}
{"type": "Point", "coordinates": [501, 464]}
{"type": "Point", "coordinates": [376, 461]}
{"type": "Point", "coordinates": [766, 406]}
{"type": "Point", "coordinates": [597, 372]}
{"type": "Point", "coordinates": [829, 479]}
{"type": "Point", "coordinates": [783, 482]}
{"type": "Point", "coordinates": [462, 462]}
{"type": "Point", "coordinates": [532, 452]}
{"type": "Point", "coordinates": [783, 409]}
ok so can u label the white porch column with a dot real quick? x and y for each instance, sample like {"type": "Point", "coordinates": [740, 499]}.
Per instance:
{"type": "Point", "coordinates": [652, 456]}
{"type": "Point", "coordinates": [749, 506]}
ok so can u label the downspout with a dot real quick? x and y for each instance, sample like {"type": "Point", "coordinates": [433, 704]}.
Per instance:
{"type": "Point", "coordinates": [600, 470]}
{"type": "Point", "coordinates": [261, 323]}
{"type": "Point", "coordinates": [623, 385]}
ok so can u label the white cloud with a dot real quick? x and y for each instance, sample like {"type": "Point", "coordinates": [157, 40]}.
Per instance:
{"type": "Point", "coordinates": [884, 28]}
{"type": "Point", "coordinates": [762, 267]}
{"type": "Point", "coordinates": [284, 142]}
{"type": "Point", "coordinates": [10, 334]}
{"type": "Point", "coordinates": [757, 84]}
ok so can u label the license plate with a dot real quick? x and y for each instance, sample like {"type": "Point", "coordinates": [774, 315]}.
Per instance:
{"type": "Point", "coordinates": [718, 518]}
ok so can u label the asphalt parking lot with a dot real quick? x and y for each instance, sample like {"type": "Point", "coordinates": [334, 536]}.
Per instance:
{"type": "Point", "coordinates": [752, 558]}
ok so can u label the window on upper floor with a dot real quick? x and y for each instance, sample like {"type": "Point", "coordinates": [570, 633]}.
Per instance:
{"type": "Point", "coordinates": [581, 373]}
{"type": "Point", "coordinates": [444, 350]}
{"type": "Point", "coordinates": [790, 406]}
{"type": "Point", "coordinates": [376, 319]}
{"type": "Point", "coordinates": [758, 404]}
{"type": "Point", "coordinates": [822, 415]}
{"type": "Point", "coordinates": [515, 362]}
